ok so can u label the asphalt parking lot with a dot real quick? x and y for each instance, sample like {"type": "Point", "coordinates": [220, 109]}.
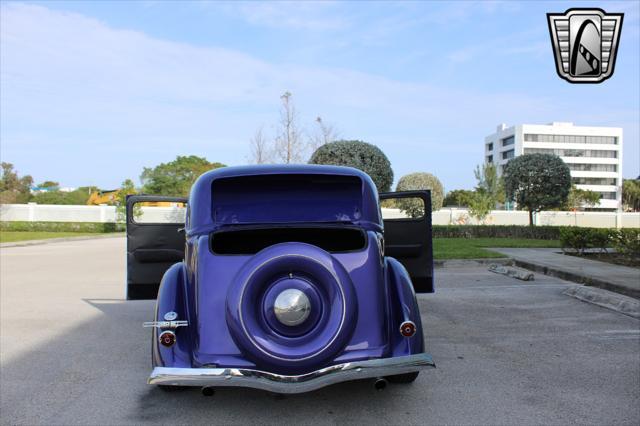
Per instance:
{"type": "Point", "coordinates": [507, 352]}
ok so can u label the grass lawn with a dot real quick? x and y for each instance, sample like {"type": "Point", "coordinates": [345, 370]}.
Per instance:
{"type": "Point", "coordinates": [13, 236]}
{"type": "Point", "coordinates": [473, 248]}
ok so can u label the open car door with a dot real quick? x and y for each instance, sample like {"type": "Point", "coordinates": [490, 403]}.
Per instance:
{"type": "Point", "coordinates": [155, 241]}
{"type": "Point", "coordinates": [407, 234]}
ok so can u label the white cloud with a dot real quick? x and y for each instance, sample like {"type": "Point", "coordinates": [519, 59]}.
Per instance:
{"type": "Point", "coordinates": [523, 43]}
{"type": "Point", "coordinates": [305, 15]}
{"type": "Point", "coordinates": [94, 102]}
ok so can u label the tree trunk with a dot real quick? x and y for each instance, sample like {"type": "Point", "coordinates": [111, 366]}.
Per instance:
{"type": "Point", "coordinates": [530, 217]}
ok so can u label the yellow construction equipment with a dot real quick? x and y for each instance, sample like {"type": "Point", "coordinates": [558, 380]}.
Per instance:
{"type": "Point", "coordinates": [110, 197]}
{"type": "Point", "coordinates": [103, 197]}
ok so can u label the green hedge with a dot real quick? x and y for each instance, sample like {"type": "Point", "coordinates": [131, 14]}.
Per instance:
{"type": "Point", "coordinates": [573, 239]}
{"type": "Point", "coordinates": [62, 226]}
{"type": "Point", "coordinates": [497, 231]}
{"type": "Point", "coordinates": [625, 241]}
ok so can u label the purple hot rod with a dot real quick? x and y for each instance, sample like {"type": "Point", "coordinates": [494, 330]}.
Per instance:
{"type": "Point", "coordinates": [283, 278]}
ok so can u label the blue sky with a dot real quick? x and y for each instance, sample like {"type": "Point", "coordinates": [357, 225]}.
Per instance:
{"type": "Point", "coordinates": [92, 92]}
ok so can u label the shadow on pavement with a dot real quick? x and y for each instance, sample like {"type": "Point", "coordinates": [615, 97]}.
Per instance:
{"type": "Point", "coordinates": [96, 374]}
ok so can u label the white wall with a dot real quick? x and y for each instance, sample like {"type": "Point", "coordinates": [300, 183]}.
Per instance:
{"type": "Point", "coordinates": [58, 213]}
{"type": "Point", "coordinates": [551, 218]}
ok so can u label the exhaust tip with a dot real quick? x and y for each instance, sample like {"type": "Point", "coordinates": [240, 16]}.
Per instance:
{"type": "Point", "coordinates": [380, 383]}
{"type": "Point", "coordinates": [208, 391]}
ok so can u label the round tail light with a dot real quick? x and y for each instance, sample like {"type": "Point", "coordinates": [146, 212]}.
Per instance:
{"type": "Point", "coordinates": [407, 328]}
{"type": "Point", "coordinates": [167, 338]}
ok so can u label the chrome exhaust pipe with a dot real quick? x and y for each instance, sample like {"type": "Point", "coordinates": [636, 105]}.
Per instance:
{"type": "Point", "coordinates": [208, 391]}
{"type": "Point", "coordinates": [380, 383]}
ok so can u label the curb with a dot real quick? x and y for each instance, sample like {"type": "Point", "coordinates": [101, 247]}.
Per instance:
{"type": "Point", "coordinates": [461, 263]}
{"type": "Point", "coordinates": [576, 278]}
{"type": "Point", "coordinates": [60, 240]}
{"type": "Point", "coordinates": [606, 299]}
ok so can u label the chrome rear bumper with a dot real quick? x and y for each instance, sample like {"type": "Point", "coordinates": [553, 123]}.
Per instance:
{"type": "Point", "coordinates": [223, 377]}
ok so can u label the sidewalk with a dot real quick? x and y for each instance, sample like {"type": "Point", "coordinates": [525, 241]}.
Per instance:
{"type": "Point", "coordinates": [60, 240]}
{"type": "Point", "coordinates": [551, 261]}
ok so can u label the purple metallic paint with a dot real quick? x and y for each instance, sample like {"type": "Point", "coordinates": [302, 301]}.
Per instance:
{"type": "Point", "coordinates": [322, 273]}
{"type": "Point", "coordinates": [201, 219]}
{"type": "Point", "coordinates": [205, 290]}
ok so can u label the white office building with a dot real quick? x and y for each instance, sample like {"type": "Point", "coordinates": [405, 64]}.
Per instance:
{"type": "Point", "coordinates": [594, 154]}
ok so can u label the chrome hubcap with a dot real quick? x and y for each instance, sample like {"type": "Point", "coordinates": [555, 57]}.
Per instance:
{"type": "Point", "coordinates": [292, 307]}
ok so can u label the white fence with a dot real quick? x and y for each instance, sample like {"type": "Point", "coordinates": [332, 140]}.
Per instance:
{"type": "Point", "coordinates": [550, 218]}
{"type": "Point", "coordinates": [59, 213]}
{"type": "Point", "coordinates": [56, 213]}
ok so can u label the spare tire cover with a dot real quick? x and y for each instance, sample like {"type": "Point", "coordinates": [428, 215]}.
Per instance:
{"type": "Point", "coordinates": [307, 268]}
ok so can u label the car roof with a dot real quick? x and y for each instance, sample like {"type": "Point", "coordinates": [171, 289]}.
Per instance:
{"type": "Point", "coordinates": [200, 199]}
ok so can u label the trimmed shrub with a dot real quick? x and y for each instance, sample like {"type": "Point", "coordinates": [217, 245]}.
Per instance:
{"type": "Point", "coordinates": [419, 181]}
{"type": "Point", "coordinates": [577, 240]}
{"type": "Point", "coordinates": [360, 155]}
{"type": "Point", "coordinates": [497, 231]}
{"type": "Point", "coordinates": [626, 241]}
{"type": "Point", "coordinates": [62, 227]}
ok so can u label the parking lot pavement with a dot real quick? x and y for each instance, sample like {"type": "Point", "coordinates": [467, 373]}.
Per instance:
{"type": "Point", "coordinates": [507, 351]}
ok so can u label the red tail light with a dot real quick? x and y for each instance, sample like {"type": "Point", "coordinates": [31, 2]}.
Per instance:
{"type": "Point", "coordinates": [407, 329]}
{"type": "Point", "coordinates": [167, 338]}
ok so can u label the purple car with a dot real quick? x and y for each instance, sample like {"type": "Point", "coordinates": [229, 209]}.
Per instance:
{"type": "Point", "coordinates": [282, 278]}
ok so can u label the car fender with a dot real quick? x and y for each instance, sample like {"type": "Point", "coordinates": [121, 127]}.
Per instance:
{"type": "Point", "coordinates": [172, 298]}
{"type": "Point", "coordinates": [403, 307]}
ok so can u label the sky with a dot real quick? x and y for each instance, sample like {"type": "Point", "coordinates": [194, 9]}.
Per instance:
{"type": "Point", "coordinates": [93, 92]}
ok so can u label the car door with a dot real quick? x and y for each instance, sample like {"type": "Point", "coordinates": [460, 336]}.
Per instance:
{"type": "Point", "coordinates": [155, 241]}
{"type": "Point", "coordinates": [407, 234]}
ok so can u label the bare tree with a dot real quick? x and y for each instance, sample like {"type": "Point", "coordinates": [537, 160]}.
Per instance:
{"type": "Point", "coordinates": [326, 133]}
{"type": "Point", "coordinates": [261, 151]}
{"type": "Point", "coordinates": [289, 145]}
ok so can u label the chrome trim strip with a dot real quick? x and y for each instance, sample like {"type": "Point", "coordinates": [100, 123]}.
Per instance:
{"type": "Point", "coordinates": [165, 324]}
{"type": "Point", "coordinates": [225, 377]}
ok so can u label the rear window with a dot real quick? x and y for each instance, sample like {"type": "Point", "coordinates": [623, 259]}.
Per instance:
{"type": "Point", "coordinates": [286, 199]}
{"type": "Point", "coordinates": [250, 241]}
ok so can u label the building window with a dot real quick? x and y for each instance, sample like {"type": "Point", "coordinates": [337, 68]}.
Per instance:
{"type": "Point", "coordinates": [593, 181]}
{"type": "Point", "coordinates": [508, 141]}
{"type": "Point", "coordinates": [608, 195]}
{"type": "Point", "coordinates": [489, 158]}
{"type": "Point", "coordinates": [592, 153]}
{"type": "Point", "coordinates": [609, 140]}
{"type": "Point", "coordinates": [593, 167]}
{"type": "Point", "coordinates": [490, 146]}
{"type": "Point", "coordinates": [508, 154]}
{"type": "Point", "coordinates": [571, 152]}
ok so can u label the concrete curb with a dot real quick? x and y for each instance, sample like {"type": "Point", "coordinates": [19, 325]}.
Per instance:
{"type": "Point", "coordinates": [576, 278]}
{"type": "Point", "coordinates": [60, 240]}
{"type": "Point", "coordinates": [517, 273]}
{"type": "Point", "coordinates": [462, 263]}
{"type": "Point", "coordinates": [607, 299]}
